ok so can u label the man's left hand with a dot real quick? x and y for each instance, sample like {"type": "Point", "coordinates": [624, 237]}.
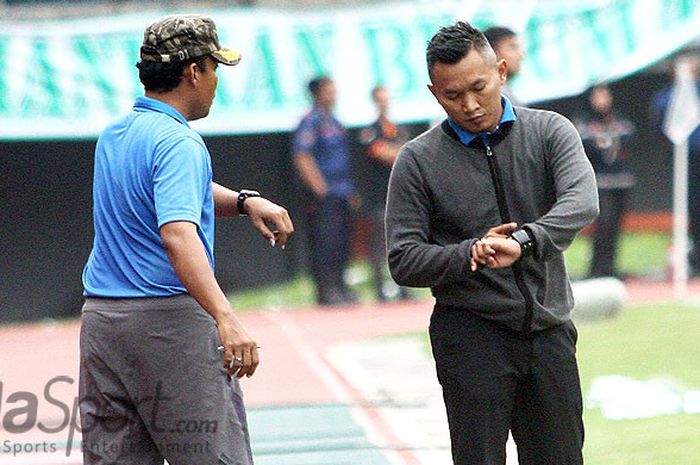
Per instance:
{"type": "Point", "coordinates": [263, 212]}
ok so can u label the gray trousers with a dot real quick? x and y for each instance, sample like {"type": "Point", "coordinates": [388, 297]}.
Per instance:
{"type": "Point", "coordinates": [153, 386]}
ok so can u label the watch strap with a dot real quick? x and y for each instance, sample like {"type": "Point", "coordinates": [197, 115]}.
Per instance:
{"type": "Point", "coordinates": [522, 237]}
{"type": "Point", "coordinates": [244, 194]}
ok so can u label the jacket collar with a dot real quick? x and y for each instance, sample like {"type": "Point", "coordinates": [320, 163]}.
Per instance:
{"type": "Point", "coordinates": [483, 138]}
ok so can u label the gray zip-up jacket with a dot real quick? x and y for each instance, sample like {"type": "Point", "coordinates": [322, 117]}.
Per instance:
{"type": "Point", "coordinates": [442, 197]}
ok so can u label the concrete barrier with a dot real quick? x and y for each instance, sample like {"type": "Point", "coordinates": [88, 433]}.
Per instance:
{"type": "Point", "coordinates": [598, 298]}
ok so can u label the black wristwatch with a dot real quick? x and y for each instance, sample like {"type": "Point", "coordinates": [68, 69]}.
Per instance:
{"type": "Point", "coordinates": [244, 194]}
{"type": "Point", "coordinates": [527, 246]}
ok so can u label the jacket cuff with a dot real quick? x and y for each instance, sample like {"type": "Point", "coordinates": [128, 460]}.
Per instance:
{"type": "Point", "coordinates": [465, 250]}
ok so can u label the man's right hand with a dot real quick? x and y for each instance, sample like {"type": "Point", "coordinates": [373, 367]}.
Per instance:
{"type": "Point", "coordinates": [191, 264]}
{"type": "Point", "coordinates": [483, 253]}
{"type": "Point", "coordinates": [501, 231]}
{"type": "Point", "coordinates": [238, 347]}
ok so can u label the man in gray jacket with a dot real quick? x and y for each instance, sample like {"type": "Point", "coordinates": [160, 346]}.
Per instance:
{"type": "Point", "coordinates": [480, 209]}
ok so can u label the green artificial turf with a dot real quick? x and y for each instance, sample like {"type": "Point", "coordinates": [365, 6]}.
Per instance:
{"type": "Point", "coordinates": [643, 254]}
{"type": "Point", "coordinates": [640, 254]}
{"type": "Point", "coordinates": [644, 343]}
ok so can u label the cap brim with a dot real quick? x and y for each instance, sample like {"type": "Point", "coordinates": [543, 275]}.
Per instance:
{"type": "Point", "coordinates": [226, 56]}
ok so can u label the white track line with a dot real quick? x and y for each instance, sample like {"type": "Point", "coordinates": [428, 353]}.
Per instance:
{"type": "Point", "coordinates": [335, 384]}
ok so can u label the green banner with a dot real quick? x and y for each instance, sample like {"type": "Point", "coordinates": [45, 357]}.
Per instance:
{"type": "Point", "coordinates": [64, 79]}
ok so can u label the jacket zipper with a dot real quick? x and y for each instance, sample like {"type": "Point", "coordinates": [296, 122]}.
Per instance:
{"type": "Point", "coordinates": [505, 218]}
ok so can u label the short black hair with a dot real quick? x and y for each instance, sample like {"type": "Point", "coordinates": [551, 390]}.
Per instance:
{"type": "Point", "coordinates": [496, 34]}
{"type": "Point", "coordinates": [452, 43]}
{"type": "Point", "coordinates": [316, 83]}
{"type": "Point", "coordinates": [163, 77]}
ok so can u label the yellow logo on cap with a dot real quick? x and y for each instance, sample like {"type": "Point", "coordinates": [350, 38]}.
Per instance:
{"type": "Point", "coordinates": [230, 56]}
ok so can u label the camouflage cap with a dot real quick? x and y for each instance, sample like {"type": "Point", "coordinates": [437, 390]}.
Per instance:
{"type": "Point", "coordinates": [183, 37]}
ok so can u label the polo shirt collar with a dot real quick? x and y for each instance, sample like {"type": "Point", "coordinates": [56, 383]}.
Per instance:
{"type": "Point", "coordinates": [467, 137]}
{"type": "Point", "coordinates": [321, 110]}
{"type": "Point", "coordinates": [144, 103]}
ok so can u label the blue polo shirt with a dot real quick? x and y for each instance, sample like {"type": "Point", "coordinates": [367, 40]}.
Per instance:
{"type": "Point", "coordinates": [466, 137]}
{"type": "Point", "coordinates": [321, 135]}
{"type": "Point", "coordinates": [150, 169]}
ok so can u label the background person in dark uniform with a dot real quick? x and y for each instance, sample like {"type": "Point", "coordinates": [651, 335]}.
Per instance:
{"type": "Point", "coordinates": [606, 137]}
{"type": "Point", "coordinates": [322, 159]}
{"type": "Point", "coordinates": [382, 140]}
{"type": "Point", "coordinates": [507, 46]}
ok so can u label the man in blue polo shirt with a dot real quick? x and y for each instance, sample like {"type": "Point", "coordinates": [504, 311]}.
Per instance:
{"type": "Point", "coordinates": [159, 344]}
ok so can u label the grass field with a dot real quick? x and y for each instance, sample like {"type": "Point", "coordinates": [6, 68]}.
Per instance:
{"type": "Point", "coordinates": [652, 263]}
{"type": "Point", "coordinates": [650, 342]}
{"type": "Point", "coordinates": [644, 343]}
{"type": "Point", "coordinates": [299, 292]}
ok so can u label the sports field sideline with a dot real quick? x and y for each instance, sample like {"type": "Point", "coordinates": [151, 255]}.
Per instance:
{"type": "Point", "coordinates": [304, 406]}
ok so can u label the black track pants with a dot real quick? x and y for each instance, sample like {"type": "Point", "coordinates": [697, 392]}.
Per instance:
{"type": "Point", "coordinates": [495, 380]}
